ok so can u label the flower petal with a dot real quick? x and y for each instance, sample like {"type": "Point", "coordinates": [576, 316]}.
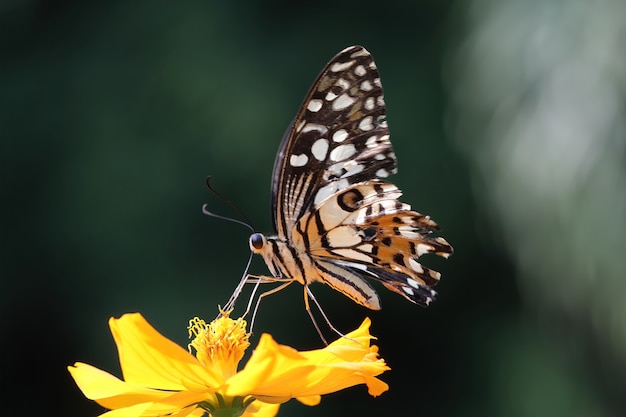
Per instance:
{"type": "Point", "coordinates": [347, 349]}
{"type": "Point", "coordinates": [109, 391]}
{"type": "Point", "coordinates": [151, 360]}
{"type": "Point", "coordinates": [276, 373]}
{"type": "Point", "coordinates": [142, 410]}
{"type": "Point", "coordinates": [113, 393]}
{"type": "Point", "coordinates": [136, 410]}
{"type": "Point", "coordinates": [310, 401]}
{"type": "Point", "coordinates": [259, 409]}
{"type": "Point", "coordinates": [375, 386]}
{"type": "Point", "coordinates": [270, 363]}
{"type": "Point", "coordinates": [176, 402]}
{"type": "Point", "coordinates": [344, 363]}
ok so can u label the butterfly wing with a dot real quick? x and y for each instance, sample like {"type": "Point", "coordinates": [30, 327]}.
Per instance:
{"type": "Point", "coordinates": [338, 138]}
{"type": "Point", "coordinates": [340, 220]}
{"type": "Point", "coordinates": [366, 230]}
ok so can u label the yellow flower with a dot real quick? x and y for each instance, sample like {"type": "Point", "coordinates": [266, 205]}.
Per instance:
{"type": "Point", "coordinates": [162, 378]}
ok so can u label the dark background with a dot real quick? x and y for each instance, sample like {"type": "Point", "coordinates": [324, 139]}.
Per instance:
{"type": "Point", "coordinates": [112, 115]}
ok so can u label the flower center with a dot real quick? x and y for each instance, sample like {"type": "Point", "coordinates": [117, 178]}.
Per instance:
{"type": "Point", "coordinates": [220, 344]}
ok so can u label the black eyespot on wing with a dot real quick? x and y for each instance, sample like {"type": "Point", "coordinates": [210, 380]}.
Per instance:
{"type": "Point", "coordinates": [349, 201]}
{"type": "Point", "coordinates": [369, 233]}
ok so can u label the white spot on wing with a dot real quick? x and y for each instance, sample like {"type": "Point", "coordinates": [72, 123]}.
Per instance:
{"type": "Point", "coordinates": [415, 266]}
{"type": "Point", "coordinates": [422, 249]}
{"type": "Point", "coordinates": [343, 84]}
{"type": "Point", "coordinates": [353, 265]}
{"type": "Point", "coordinates": [340, 135]}
{"type": "Point", "coordinates": [313, 126]}
{"type": "Point", "coordinates": [329, 189]}
{"type": "Point", "coordinates": [413, 283]}
{"type": "Point", "coordinates": [360, 52]}
{"type": "Point", "coordinates": [369, 103]}
{"type": "Point", "coordinates": [298, 160]}
{"type": "Point", "coordinates": [342, 102]}
{"type": "Point", "coordinates": [330, 96]}
{"type": "Point", "coordinates": [314, 105]}
{"type": "Point", "coordinates": [366, 85]}
{"type": "Point", "coordinates": [366, 124]}
{"type": "Point", "coordinates": [342, 152]}
{"type": "Point", "coordinates": [341, 66]}
{"type": "Point", "coordinates": [382, 173]}
{"type": "Point", "coordinates": [352, 168]}
{"type": "Point", "coordinates": [360, 70]}
{"type": "Point", "coordinates": [319, 149]}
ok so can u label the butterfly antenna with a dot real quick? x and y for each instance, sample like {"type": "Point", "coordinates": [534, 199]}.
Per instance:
{"type": "Point", "coordinates": [247, 222]}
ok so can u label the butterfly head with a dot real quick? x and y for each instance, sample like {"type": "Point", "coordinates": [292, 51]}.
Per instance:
{"type": "Point", "coordinates": [268, 247]}
{"type": "Point", "coordinates": [257, 243]}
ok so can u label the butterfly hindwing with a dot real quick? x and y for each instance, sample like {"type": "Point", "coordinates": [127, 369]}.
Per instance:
{"type": "Point", "coordinates": [366, 229]}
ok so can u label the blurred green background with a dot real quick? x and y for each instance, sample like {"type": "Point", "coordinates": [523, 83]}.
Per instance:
{"type": "Point", "coordinates": [508, 120]}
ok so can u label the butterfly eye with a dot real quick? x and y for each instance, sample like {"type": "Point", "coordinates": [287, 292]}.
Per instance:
{"type": "Point", "coordinates": [256, 242]}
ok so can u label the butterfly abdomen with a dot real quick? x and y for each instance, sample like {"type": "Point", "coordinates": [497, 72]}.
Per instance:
{"type": "Point", "coordinates": [294, 263]}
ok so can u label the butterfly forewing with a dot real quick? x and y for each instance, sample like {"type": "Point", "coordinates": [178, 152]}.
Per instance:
{"type": "Point", "coordinates": [339, 137]}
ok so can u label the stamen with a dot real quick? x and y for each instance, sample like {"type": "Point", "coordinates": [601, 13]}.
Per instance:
{"type": "Point", "coordinates": [219, 344]}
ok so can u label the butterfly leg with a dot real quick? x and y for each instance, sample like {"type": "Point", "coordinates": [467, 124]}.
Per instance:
{"type": "Point", "coordinates": [264, 280]}
{"type": "Point", "coordinates": [307, 307]}
{"type": "Point", "coordinates": [246, 279]}
{"type": "Point", "coordinates": [230, 304]}
{"type": "Point", "coordinates": [308, 294]}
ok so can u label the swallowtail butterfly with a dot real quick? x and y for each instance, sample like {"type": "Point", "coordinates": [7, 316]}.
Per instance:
{"type": "Point", "coordinates": [336, 219]}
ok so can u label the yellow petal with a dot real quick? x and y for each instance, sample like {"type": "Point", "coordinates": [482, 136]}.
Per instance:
{"type": "Point", "coordinates": [349, 348]}
{"type": "Point", "coordinates": [132, 411]}
{"type": "Point", "coordinates": [109, 391]}
{"type": "Point", "coordinates": [176, 402]}
{"type": "Point", "coordinates": [142, 410]}
{"type": "Point", "coordinates": [271, 364]}
{"type": "Point", "coordinates": [375, 386]}
{"type": "Point", "coordinates": [149, 359]}
{"type": "Point", "coordinates": [259, 409]}
{"type": "Point", "coordinates": [310, 401]}
{"type": "Point", "coordinates": [344, 363]}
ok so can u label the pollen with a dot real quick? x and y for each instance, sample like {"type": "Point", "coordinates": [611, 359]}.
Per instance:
{"type": "Point", "coordinates": [219, 344]}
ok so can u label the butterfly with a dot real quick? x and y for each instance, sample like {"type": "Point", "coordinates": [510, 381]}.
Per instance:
{"type": "Point", "coordinates": [336, 219]}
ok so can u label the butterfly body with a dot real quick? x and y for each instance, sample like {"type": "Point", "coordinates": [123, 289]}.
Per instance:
{"type": "Point", "coordinates": [336, 219]}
